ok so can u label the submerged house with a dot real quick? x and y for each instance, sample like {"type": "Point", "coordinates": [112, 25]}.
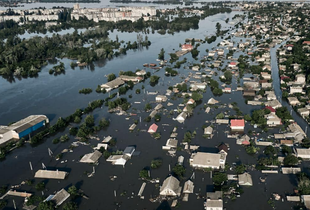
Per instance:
{"type": "Point", "coordinates": [170, 144]}
{"type": "Point", "coordinates": [214, 201]}
{"type": "Point", "coordinates": [60, 197]}
{"type": "Point", "coordinates": [153, 128]}
{"type": "Point", "coordinates": [188, 187]}
{"type": "Point", "coordinates": [208, 130]}
{"type": "Point", "coordinates": [112, 84]}
{"type": "Point", "coordinates": [237, 125]}
{"type": "Point", "coordinates": [22, 128]}
{"type": "Point", "coordinates": [181, 117]}
{"type": "Point", "coordinates": [91, 157]}
{"type": "Point", "coordinates": [170, 187]}
{"type": "Point", "coordinates": [244, 140]}
{"type": "Point", "coordinates": [207, 160]}
{"type": "Point", "coordinates": [245, 179]}
{"type": "Point", "coordinates": [50, 174]}
{"type": "Point", "coordinates": [118, 159]}
{"type": "Point", "coordinates": [161, 98]}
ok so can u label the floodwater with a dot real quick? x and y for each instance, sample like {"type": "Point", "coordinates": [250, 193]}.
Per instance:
{"type": "Point", "coordinates": [58, 96]}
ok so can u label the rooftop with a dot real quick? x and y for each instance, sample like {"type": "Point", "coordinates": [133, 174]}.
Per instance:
{"type": "Point", "coordinates": [27, 122]}
{"type": "Point", "coordinates": [49, 174]}
{"type": "Point", "coordinates": [237, 122]}
{"type": "Point", "coordinates": [91, 157]}
{"type": "Point", "coordinates": [206, 159]}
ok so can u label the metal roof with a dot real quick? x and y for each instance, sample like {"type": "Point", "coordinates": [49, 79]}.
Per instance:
{"type": "Point", "coordinates": [27, 123]}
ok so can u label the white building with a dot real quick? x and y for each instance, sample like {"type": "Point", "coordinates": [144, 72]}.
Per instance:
{"type": "Point", "coordinates": [303, 153]}
{"type": "Point", "coordinates": [170, 187]}
{"type": "Point", "coordinates": [245, 179]}
{"type": "Point", "coordinates": [293, 101]}
{"type": "Point", "coordinates": [22, 128]}
{"type": "Point", "coordinates": [181, 117]}
{"type": "Point", "coordinates": [273, 120]}
{"type": "Point", "coordinates": [214, 201]}
{"type": "Point", "coordinates": [208, 130]}
{"type": "Point", "coordinates": [207, 160]}
{"type": "Point", "coordinates": [161, 98]}
{"type": "Point", "coordinates": [295, 90]}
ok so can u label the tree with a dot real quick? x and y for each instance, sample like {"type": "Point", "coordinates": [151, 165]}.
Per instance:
{"type": "Point", "coordinates": [270, 151]}
{"type": "Point", "coordinates": [154, 79]}
{"type": "Point", "coordinates": [156, 163]}
{"type": "Point", "coordinates": [247, 117]}
{"type": "Point", "coordinates": [103, 123]}
{"type": "Point", "coordinates": [138, 91]}
{"type": "Point", "coordinates": [157, 117]}
{"type": "Point", "coordinates": [305, 143]}
{"type": "Point", "coordinates": [161, 55]}
{"type": "Point", "coordinates": [40, 186]}
{"type": "Point", "coordinates": [197, 96]}
{"type": "Point", "coordinates": [89, 120]}
{"type": "Point", "coordinates": [240, 169]}
{"type": "Point", "coordinates": [56, 141]}
{"type": "Point", "coordinates": [64, 138]}
{"type": "Point", "coordinates": [220, 116]}
{"type": "Point", "coordinates": [47, 205]}
{"type": "Point", "coordinates": [286, 149]}
{"type": "Point", "coordinates": [111, 77]}
{"type": "Point", "coordinates": [228, 76]}
{"type": "Point", "coordinates": [144, 174]}
{"type": "Point", "coordinates": [3, 204]}
{"type": "Point", "coordinates": [194, 52]}
{"type": "Point", "coordinates": [218, 26]}
{"type": "Point", "coordinates": [290, 160]}
{"type": "Point", "coordinates": [122, 90]}
{"type": "Point", "coordinates": [251, 150]}
{"type": "Point", "coordinates": [283, 113]}
{"type": "Point", "coordinates": [73, 131]}
{"type": "Point", "coordinates": [147, 107]}
{"type": "Point", "coordinates": [304, 184]}
{"type": "Point", "coordinates": [219, 178]}
{"type": "Point", "coordinates": [77, 119]}
{"type": "Point", "coordinates": [73, 191]}
{"type": "Point", "coordinates": [179, 170]}
{"type": "Point", "coordinates": [70, 206]}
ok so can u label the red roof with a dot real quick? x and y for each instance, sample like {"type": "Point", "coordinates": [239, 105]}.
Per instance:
{"type": "Point", "coordinates": [284, 77]}
{"type": "Point", "coordinates": [270, 108]}
{"type": "Point", "coordinates": [289, 45]}
{"type": "Point", "coordinates": [233, 63]}
{"type": "Point", "coordinates": [191, 101]}
{"type": "Point", "coordinates": [187, 46]}
{"type": "Point", "coordinates": [245, 142]}
{"type": "Point", "coordinates": [153, 128]}
{"type": "Point", "coordinates": [238, 123]}
{"type": "Point", "coordinates": [306, 42]}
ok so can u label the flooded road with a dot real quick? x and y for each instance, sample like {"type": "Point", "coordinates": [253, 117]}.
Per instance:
{"type": "Point", "coordinates": [276, 85]}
